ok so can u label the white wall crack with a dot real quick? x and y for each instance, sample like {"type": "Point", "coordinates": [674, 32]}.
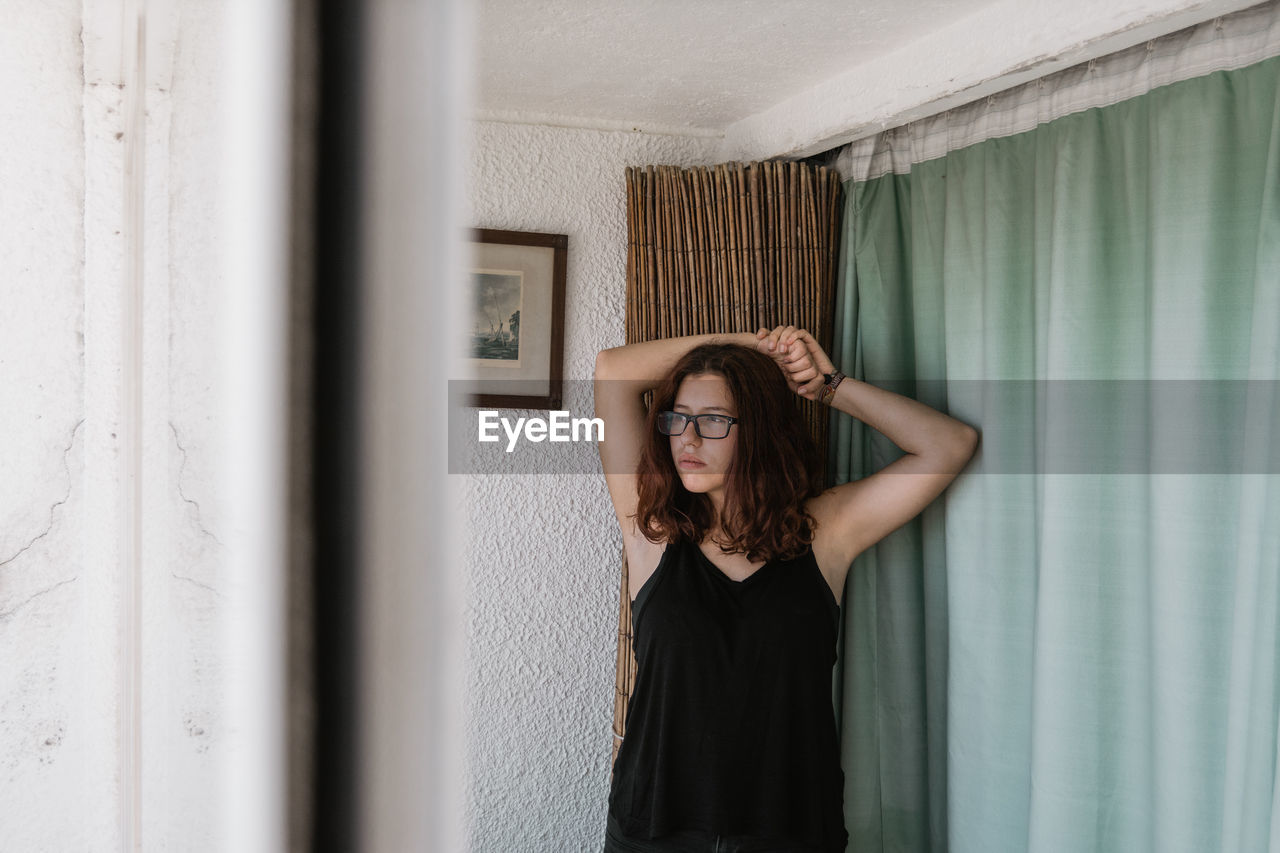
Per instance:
{"type": "Point", "coordinates": [195, 505]}
{"type": "Point", "coordinates": [53, 509]}
{"type": "Point", "coordinates": [6, 614]}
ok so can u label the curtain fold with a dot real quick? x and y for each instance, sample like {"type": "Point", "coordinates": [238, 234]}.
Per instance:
{"type": "Point", "coordinates": [1075, 648]}
{"type": "Point", "coordinates": [726, 248]}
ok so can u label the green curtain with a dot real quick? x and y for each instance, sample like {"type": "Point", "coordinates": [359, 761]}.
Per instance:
{"type": "Point", "coordinates": [1075, 647]}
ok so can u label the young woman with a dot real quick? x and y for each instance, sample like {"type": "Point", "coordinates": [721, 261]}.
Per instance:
{"type": "Point", "coordinates": [736, 568]}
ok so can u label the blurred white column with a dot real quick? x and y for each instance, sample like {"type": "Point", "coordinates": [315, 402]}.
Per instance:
{"type": "Point", "coordinates": [255, 323]}
{"type": "Point", "coordinates": [417, 65]}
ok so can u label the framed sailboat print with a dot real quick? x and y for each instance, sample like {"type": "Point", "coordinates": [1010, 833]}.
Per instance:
{"type": "Point", "coordinates": [515, 312]}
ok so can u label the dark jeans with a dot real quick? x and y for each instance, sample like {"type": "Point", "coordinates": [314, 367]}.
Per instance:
{"type": "Point", "coordinates": [697, 842]}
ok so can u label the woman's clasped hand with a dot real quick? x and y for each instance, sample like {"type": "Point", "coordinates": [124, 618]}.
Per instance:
{"type": "Point", "coordinates": [801, 359]}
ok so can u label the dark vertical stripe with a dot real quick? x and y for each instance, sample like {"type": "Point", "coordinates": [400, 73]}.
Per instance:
{"type": "Point", "coordinates": [335, 500]}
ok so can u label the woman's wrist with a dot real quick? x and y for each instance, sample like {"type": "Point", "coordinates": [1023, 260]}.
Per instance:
{"type": "Point", "coordinates": [830, 382]}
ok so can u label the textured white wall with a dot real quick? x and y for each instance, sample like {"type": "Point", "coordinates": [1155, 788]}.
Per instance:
{"type": "Point", "coordinates": [543, 567]}
{"type": "Point", "coordinates": [49, 764]}
{"type": "Point", "coordinates": [184, 556]}
{"type": "Point", "coordinates": [95, 698]}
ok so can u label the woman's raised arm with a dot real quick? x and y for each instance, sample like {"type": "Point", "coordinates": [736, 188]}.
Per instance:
{"type": "Point", "coordinates": [857, 515]}
{"type": "Point", "coordinates": [622, 376]}
{"type": "Point", "coordinates": [652, 360]}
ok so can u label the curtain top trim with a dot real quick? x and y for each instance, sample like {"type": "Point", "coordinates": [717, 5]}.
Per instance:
{"type": "Point", "coordinates": [1223, 44]}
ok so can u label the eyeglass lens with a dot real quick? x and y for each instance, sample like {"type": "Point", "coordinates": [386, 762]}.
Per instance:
{"type": "Point", "coordinates": [707, 426]}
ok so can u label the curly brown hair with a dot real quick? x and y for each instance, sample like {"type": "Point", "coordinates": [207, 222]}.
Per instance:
{"type": "Point", "coordinates": [775, 470]}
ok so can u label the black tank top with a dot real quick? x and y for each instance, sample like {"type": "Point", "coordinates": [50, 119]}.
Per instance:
{"type": "Point", "coordinates": [730, 729]}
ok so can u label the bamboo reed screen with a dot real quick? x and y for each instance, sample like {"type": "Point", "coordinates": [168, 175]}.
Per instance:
{"type": "Point", "coordinates": [726, 248]}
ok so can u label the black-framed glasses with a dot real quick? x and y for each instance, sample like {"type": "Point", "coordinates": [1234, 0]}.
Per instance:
{"type": "Point", "coordinates": [707, 426]}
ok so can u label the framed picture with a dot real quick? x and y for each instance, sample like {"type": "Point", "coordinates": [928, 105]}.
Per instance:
{"type": "Point", "coordinates": [515, 346]}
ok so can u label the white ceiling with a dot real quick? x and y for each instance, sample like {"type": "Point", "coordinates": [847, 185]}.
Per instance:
{"type": "Point", "coordinates": [787, 77]}
{"type": "Point", "coordinates": [699, 64]}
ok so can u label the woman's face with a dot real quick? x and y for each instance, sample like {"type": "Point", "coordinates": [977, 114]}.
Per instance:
{"type": "Point", "coordinates": [702, 463]}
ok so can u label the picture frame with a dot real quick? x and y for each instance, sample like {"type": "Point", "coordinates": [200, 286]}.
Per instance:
{"type": "Point", "coordinates": [516, 290]}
